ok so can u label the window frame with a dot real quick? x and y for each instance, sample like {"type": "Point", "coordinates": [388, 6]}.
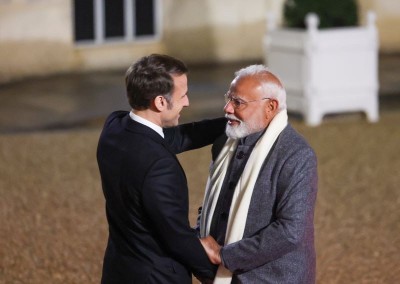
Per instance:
{"type": "Point", "coordinates": [129, 17]}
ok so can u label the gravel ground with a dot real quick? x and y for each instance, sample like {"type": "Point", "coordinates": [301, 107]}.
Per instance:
{"type": "Point", "coordinates": [53, 226]}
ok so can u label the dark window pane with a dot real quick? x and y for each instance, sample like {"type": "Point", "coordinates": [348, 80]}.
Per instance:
{"type": "Point", "coordinates": [114, 18]}
{"type": "Point", "coordinates": [84, 15]}
{"type": "Point", "coordinates": [144, 14]}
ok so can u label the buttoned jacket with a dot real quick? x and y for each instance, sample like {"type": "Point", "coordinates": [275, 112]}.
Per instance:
{"type": "Point", "coordinates": [145, 188]}
{"type": "Point", "coordinates": [278, 240]}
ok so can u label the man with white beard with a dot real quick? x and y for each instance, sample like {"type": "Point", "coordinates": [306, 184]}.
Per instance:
{"type": "Point", "coordinates": [260, 197]}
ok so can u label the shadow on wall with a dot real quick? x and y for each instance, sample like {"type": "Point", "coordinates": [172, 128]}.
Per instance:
{"type": "Point", "coordinates": [24, 59]}
{"type": "Point", "coordinates": [182, 42]}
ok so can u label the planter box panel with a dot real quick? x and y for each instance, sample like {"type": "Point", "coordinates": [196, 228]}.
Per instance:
{"type": "Point", "coordinates": [359, 38]}
{"type": "Point", "coordinates": [326, 71]}
{"type": "Point", "coordinates": [346, 69]}
{"type": "Point", "coordinates": [284, 39]}
{"type": "Point", "coordinates": [289, 64]}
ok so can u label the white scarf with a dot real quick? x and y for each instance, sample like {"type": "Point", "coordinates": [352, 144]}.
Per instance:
{"type": "Point", "coordinates": [244, 188]}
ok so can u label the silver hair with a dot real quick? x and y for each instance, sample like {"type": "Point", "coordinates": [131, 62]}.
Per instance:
{"type": "Point", "coordinates": [271, 88]}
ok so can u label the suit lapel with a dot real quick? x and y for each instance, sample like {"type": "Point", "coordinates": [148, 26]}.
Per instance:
{"type": "Point", "coordinates": [136, 127]}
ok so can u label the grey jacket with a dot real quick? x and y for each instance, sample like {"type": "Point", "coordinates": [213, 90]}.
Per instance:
{"type": "Point", "coordinates": [278, 241]}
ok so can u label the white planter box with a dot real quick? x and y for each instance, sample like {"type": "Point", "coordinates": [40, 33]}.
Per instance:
{"type": "Point", "coordinates": [326, 71]}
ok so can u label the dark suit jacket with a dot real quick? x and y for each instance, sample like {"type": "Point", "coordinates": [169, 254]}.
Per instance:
{"type": "Point", "coordinates": [278, 240]}
{"type": "Point", "coordinates": [145, 188]}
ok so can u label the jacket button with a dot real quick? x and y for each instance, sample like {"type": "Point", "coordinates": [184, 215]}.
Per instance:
{"type": "Point", "coordinates": [240, 155]}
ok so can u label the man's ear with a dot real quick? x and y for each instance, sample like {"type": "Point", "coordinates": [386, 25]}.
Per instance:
{"type": "Point", "coordinates": [271, 109]}
{"type": "Point", "coordinates": [160, 103]}
{"type": "Point", "coordinates": [272, 105]}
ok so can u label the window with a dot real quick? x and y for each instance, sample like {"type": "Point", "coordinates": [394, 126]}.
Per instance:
{"type": "Point", "coordinates": [114, 18]}
{"type": "Point", "coordinates": [84, 23]}
{"type": "Point", "coordinates": [100, 21]}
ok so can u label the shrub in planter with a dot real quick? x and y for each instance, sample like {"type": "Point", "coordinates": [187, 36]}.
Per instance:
{"type": "Point", "coordinates": [337, 13]}
{"type": "Point", "coordinates": [327, 62]}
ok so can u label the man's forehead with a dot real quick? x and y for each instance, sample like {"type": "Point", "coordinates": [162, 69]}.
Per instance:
{"type": "Point", "coordinates": [240, 84]}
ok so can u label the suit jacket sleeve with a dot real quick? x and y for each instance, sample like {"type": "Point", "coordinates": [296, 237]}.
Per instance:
{"type": "Point", "coordinates": [297, 187]}
{"type": "Point", "coordinates": [165, 202]}
{"type": "Point", "coordinates": [194, 135]}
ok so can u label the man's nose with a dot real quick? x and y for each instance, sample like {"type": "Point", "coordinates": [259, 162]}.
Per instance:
{"type": "Point", "coordinates": [228, 108]}
{"type": "Point", "coordinates": [186, 103]}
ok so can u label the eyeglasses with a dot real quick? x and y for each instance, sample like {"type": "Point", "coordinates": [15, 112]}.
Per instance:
{"type": "Point", "coordinates": [238, 103]}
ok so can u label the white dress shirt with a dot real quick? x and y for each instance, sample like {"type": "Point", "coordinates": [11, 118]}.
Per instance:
{"type": "Point", "coordinates": [148, 123]}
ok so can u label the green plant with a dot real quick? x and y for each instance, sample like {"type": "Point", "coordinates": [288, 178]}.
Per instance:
{"type": "Point", "coordinates": [331, 13]}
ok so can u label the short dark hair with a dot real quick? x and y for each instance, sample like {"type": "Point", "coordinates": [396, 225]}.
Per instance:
{"type": "Point", "coordinates": [150, 77]}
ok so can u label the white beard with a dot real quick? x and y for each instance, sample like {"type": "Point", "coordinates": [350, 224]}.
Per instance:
{"type": "Point", "coordinates": [242, 130]}
{"type": "Point", "coordinates": [236, 132]}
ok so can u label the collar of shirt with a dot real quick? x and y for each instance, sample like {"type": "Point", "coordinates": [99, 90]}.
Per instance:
{"type": "Point", "coordinates": [148, 123]}
{"type": "Point", "coordinates": [251, 139]}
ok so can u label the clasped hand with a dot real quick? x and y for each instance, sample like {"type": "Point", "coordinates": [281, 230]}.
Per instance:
{"type": "Point", "coordinates": [212, 249]}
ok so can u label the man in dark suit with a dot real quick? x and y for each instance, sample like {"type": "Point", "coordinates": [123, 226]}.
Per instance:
{"type": "Point", "coordinates": [261, 192]}
{"type": "Point", "coordinates": [145, 188]}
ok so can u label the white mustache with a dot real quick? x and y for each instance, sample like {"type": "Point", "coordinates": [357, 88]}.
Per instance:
{"type": "Point", "coordinates": [232, 117]}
